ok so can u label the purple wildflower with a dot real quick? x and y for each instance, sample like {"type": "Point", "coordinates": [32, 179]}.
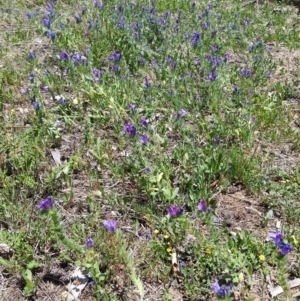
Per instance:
{"type": "Point", "coordinates": [226, 57]}
{"type": "Point", "coordinates": [269, 74]}
{"type": "Point", "coordinates": [214, 33]}
{"type": "Point", "coordinates": [174, 210]}
{"type": "Point", "coordinates": [219, 290]}
{"type": "Point", "coordinates": [283, 248]}
{"type": "Point", "coordinates": [181, 113]}
{"type": "Point", "coordinates": [142, 60]}
{"type": "Point", "coordinates": [147, 82]}
{"type": "Point", "coordinates": [193, 6]}
{"type": "Point", "coordinates": [130, 129]}
{"type": "Point", "coordinates": [46, 72]}
{"type": "Point", "coordinates": [147, 170]}
{"type": "Point", "coordinates": [144, 122]}
{"type": "Point", "coordinates": [24, 91]}
{"type": "Point", "coordinates": [144, 139]}
{"type": "Point", "coordinates": [211, 77]}
{"type": "Point", "coordinates": [31, 77]}
{"type": "Point", "coordinates": [64, 55]}
{"type": "Point", "coordinates": [245, 73]}
{"type": "Point", "coordinates": [47, 23]}
{"type": "Point", "coordinates": [29, 15]}
{"type": "Point", "coordinates": [196, 39]}
{"type": "Point", "coordinates": [31, 55]}
{"type": "Point", "coordinates": [60, 98]}
{"type": "Point", "coordinates": [77, 18]}
{"type": "Point", "coordinates": [45, 89]}
{"type": "Point", "coordinates": [45, 204]}
{"type": "Point", "coordinates": [51, 34]}
{"type": "Point", "coordinates": [236, 89]}
{"type": "Point", "coordinates": [62, 26]}
{"type": "Point", "coordinates": [110, 225]}
{"type": "Point", "coordinates": [202, 206]}
{"type": "Point", "coordinates": [121, 23]}
{"type": "Point", "coordinates": [217, 140]}
{"type": "Point", "coordinates": [205, 25]}
{"type": "Point", "coordinates": [276, 237]}
{"type": "Point", "coordinates": [116, 68]}
{"type": "Point", "coordinates": [99, 4]}
{"type": "Point", "coordinates": [132, 106]}
{"type": "Point", "coordinates": [89, 243]}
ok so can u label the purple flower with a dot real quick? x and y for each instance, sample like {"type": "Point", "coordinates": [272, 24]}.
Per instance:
{"type": "Point", "coordinates": [62, 26]}
{"type": "Point", "coordinates": [117, 56]}
{"type": "Point", "coordinates": [226, 57]}
{"type": "Point", "coordinates": [276, 237]}
{"type": "Point", "coordinates": [193, 6]}
{"type": "Point", "coordinates": [116, 68]}
{"type": "Point", "coordinates": [214, 33]}
{"type": "Point", "coordinates": [181, 113]}
{"type": "Point", "coordinates": [45, 89]}
{"type": "Point", "coordinates": [64, 55]}
{"type": "Point", "coordinates": [130, 129]}
{"type": "Point", "coordinates": [142, 60]}
{"type": "Point", "coordinates": [89, 243]}
{"type": "Point", "coordinates": [144, 122]}
{"type": "Point", "coordinates": [147, 82]}
{"type": "Point", "coordinates": [196, 39]}
{"type": "Point", "coordinates": [47, 23]}
{"type": "Point", "coordinates": [144, 139]}
{"type": "Point", "coordinates": [121, 23]}
{"type": "Point", "coordinates": [45, 204]}
{"type": "Point", "coordinates": [174, 210]}
{"type": "Point", "coordinates": [211, 77]}
{"type": "Point", "coordinates": [220, 291]}
{"type": "Point", "coordinates": [147, 170]}
{"type": "Point", "coordinates": [202, 206]}
{"type": "Point", "coordinates": [24, 91]}
{"type": "Point", "coordinates": [29, 15]}
{"type": "Point", "coordinates": [60, 98]}
{"type": "Point", "coordinates": [153, 64]}
{"type": "Point", "coordinates": [217, 140]}
{"type": "Point", "coordinates": [132, 106]}
{"type": "Point", "coordinates": [99, 4]}
{"type": "Point", "coordinates": [269, 74]}
{"type": "Point", "coordinates": [205, 25]}
{"type": "Point", "coordinates": [51, 34]}
{"type": "Point", "coordinates": [77, 18]}
{"type": "Point", "coordinates": [110, 225]}
{"type": "Point", "coordinates": [31, 55]}
{"type": "Point", "coordinates": [245, 73]}
{"type": "Point", "coordinates": [283, 248]}
{"type": "Point", "coordinates": [46, 72]}
{"type": "Point", "coordinates": [31, 77]}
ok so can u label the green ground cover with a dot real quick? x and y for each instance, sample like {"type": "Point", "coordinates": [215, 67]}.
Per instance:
{"type": "Point", "coordinates": [154, 144]}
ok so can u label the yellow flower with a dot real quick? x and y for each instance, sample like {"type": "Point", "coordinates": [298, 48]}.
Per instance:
{"type": "Point", "coordinates": [169, 250]}
{"type": "Point", "coordinates": [208, 251]}
{"type": "Point", "coordinates": [156, 231]}
{"type": "Point", "coordinates": [295, 240]}
{"type": "Point", "coordinates": [166, 237]}
{"type": "Point", "coordinates": [262, 257]}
